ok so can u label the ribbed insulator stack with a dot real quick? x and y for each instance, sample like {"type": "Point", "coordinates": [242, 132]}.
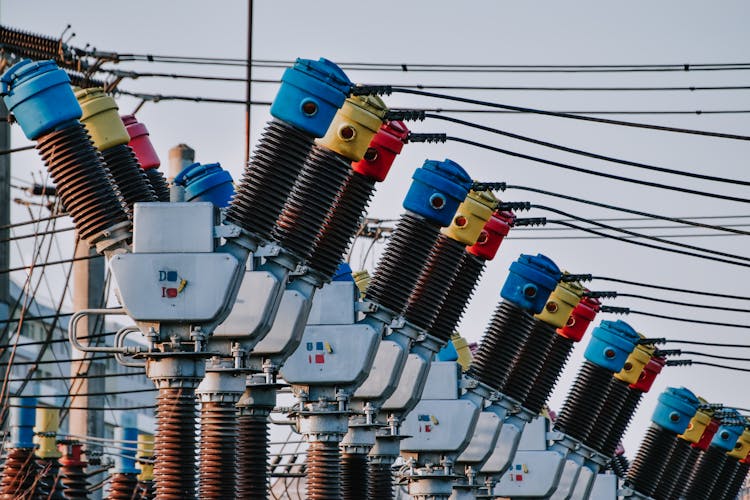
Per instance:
{"type": "Point", "coordinates": [19, 474]}
{"type": "Point", "coordinates": [323, 471]}
{"type": "Point", "coordinates": [674, 412]}
{"type": "Point", "coordinates": [705, 473]}
{"type": "Point", "coordinates": [252, 450]}
{"type": "Point", "coordinates": [714, 470]}
{"type": "Point", "coordinates": [346, 214]}
{"type": "Point", "coordinates": [24, 44]}
{"type": "Point", "coordinates": [701, 432]}
{"type": "Point", "coordinates": [562, 301]}
{"type": "Point", "coordinates": [354, 476]}
{"type": "Point", "coordinates": [559, 352]}
{"type": "Point", "coordinates": [611, 344]}
{"type": "Point", "coordinates": [218, 449]}
{"type": "Point", "coordinates": [380, 481]}
{"type": "Point", "coordinates": [431, 203]}
{"type": "Point", "coordinates": [310, 94]}
{"type": "Point", "coordinates": [627, 408]}
{"type": "Point", "coordinates": [619, 465]}
{"type": "Point", "coordinates": [146, 154]}
{"type": "Point", "coordinates": [175, 443]}
{"type": "Point", "coordinates": [72, 475]}
{"type": "Point", "coordinates": [737, 481]}
{"type": "Point", "coordinates": [47, 481]}
{"type": "Point", "coordinates": [44, 105]}
{"type": "Point", "coordinates": [122, 487]}
{"type": "Point", "coordinates": [529, 284]}
{"type": "Point", "coordinates": [101, 119]}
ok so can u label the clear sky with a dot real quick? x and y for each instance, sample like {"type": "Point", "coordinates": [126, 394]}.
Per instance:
{"type": "Point", "coordinates": [484, 32]}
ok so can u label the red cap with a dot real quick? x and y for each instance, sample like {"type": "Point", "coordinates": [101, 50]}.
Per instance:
{"type": "Point", "coordinates": [649, 373]}
{"type": "Point", "coordinates": [580, 319]}
{"type": "Point", "coordinates": [140, 142]}
{"type": "Point", "coordinates": [71, 455]}
{"type": "Point", "coordinates": [387, 143]}
{"type": "Point", "coordinates": [492, 234]}
{"type": "Point", "coordinates": [707, 435]}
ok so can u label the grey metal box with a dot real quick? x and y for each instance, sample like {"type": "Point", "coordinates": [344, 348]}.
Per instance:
{"type": "Point", "coordinates": [173, 228]}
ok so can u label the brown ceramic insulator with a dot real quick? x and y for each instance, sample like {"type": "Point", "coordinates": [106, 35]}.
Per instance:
{"type": "Point", "coordinates": [310, 201]}
{"type": "Point", "coordinates": [341, 224]}
{"type": "Point", "coordinates": [268, 178]}
{"type": "Point", "coordinates": [612, 408]}
{"type": "Point", "coordinates": [323, 466]}
{"type": "Point", "coordinates": [530, 361]}
{"type": "Point", "coordinates": [218, 450]}
{"type": "Point", "coordinates": [705, 473]}
{"type": "Point", "coordinates": [175, 444]}
{"type": "Point", "coordinates": [434, 283]}
{"type": "Point", "coordinates": [501, 344]}
{"type": "Point", "coordinates": [29, 45]}
{"type": "Point", "coordinates": [354, 476]}
{"type": "Point", "coordinates": [467, 277]}
{"type": "Point", "coordinates": [648, 466]}
{"type": "Point", "coordinates": [73, 480]}
{"type": "Point", "coordinates": [158, 183]}
{"type": "Point", "coordinates": [252, 457]}
{"type": "Point", "coordinates": [673, 468]}
{"type": "Point", "coordinates": [736, 482]}
{"type": "Point", "coordinates": [130, 180]}
{"type": "Point", "coordinates": [399, 267]}
{"type": "Point", "coordinates": [48, 485]}
{"type": "Point", "coordinates": [19, 474]}
{"type": "Point", "coordinates": [684, 478]}
{"type": "Point", "coordinates": [122, 487]}
{"type": "Point", "coordinates": [619, 465]}
{"type": "Point", "coordinates": [622, 421]}
{"type": "Point", "coordinates": [380, 481]}
{"type": "Point", "coordinates": [549, 373]}
{"type": "Point", "coordinates": [724, 478]}
{"type": "Point", "coordinates": [584, 401]}
{"type": "Point", "coordinates": [83, 182]}
{"type": "Point", "coordinates": [146, 490]}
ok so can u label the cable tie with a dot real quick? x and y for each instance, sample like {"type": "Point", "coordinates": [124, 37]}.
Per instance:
{"type": "Point", "coordinates": [615, 310]}
{"type": "Point", "coordinates": [513, 205]}
{"type": "Point", "coordinates": [530, 221]}
{"type": "Point", "coordinates": [601, 294]}
{"type": "Point", "coordinates": [428, 138]}
{"type": "Point", "coordinates": [371, 90]}
{"type": "Point", "coordinates": [569, 278]}
{"type": "Point", "coordinates": [405, 114]}
{"type": "Point", "coordinates": [652, 341]}
{"type": "Point", "coordinates": [489, 186]}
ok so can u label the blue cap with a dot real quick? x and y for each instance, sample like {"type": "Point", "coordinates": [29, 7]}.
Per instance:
{"type": "Point", "coordinates": [206, 183]}
{"type": "Point", "coordinates": [448, 353]}
{"type": "Point", "coordinates": [39, 96]}
{"type": "Point", "coordinates": [530, 282]}
{"type": "Point", "coordinates": [22, 422]}
{"type": "Point", "coordinates": [675, 409]}
{"type": "Point", "coordinates": [610, 345]}
{"type": "Point", "coordinates": [438, 188]}
{"type": "Point", "coordinates": [125, 459]}
{"type": "Point", "coordinates": [728, 434]}
{"type": "Point", "coordinates": [343, 273]}
{"type": "Point", "coordinates": [310, 94]}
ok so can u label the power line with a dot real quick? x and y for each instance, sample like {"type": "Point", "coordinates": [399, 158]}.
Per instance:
{"type": "Point", "coordinates": [595, 172]}
{"type": "Point", "coordinates": [689, 362]}
{"type": "Point", "coordinates": [588, 153]}
{"type": "Point", "coordinates": [107, 393]}
{"type": "Point", "coordinates": [48, 263]}
{"type": "Point", "coordinates": [565, 238]}
{"type": "Point", "coordinates": [678, 303]}
{"type": "Point", "coordinates": [32, 221]}
{"type": "Point", "coordinates": [569, 115]}
{"type": "Point", "coordinates": [71, 377]}
{"type": "Point", "coordinates": [16, 150]}
{"type": "Point", "coordinates": [680, 352]}
{"type": "Point", "coordinates": [711, 344]}
{"type": "Point", "coordinates": [627, 310]}
{"type": "Point", "coordinates": [668, 288]}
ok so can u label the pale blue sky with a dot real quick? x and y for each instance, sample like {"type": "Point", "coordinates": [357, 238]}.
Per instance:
{"type": "Point", "coordinates": [480, 32]}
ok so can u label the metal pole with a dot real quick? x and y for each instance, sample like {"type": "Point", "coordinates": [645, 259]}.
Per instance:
{"type": "Point", "coordinates": [4, 209]}
{"type": "Point", "coordinates": [249, 84]}
{"type": "Point", "coordinates": [88, 292]}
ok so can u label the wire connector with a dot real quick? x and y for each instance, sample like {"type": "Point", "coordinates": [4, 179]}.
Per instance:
{"type": "Point", "coordinates": [652, 341]}
{"type": "Point", "coordinates": [615, 310]}
{"type": "Point", "coordinates": [530, 221]}
{"type": "Point", "coordinates": [679, 362]}
{"type": "Point", "coordinates": [569, 278]}
{"type": "Point", "coordinates": [489, 186]}
{"type": "Point", "coordinates": [663, 353]}
{"type": "Point", "coordinates": [428, 138]}
{"type": "Point", "coordinates": [405, 115]}
{"type": "Point", "coordinates": [516, 206]}
{"type": "Point", "coordinates": [600, 294]}
{"type": "Point", "coordinates": [360, 89]}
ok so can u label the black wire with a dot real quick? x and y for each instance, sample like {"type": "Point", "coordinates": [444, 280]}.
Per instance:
{"type": "Point", "coordinates": [688, 362]}
{"type": "Point", "coordinates": [603, 219]}
{"type": "Point", "coordinates": [677, 318]}
{"type": "Point", "coordinates": [32, 221]}
{"type": "Point", "coordinates": [33, 318]}
{"type": "Point", "coordinates": [627, 210]}
{"type": "Point", "coordinates": [16, 150]}
{"type": "Point", "coordinates": [678, 303]}
{"type": "Point", "coordinates": [591, 112]}
{"type": "Point", "coordinates": [588, 153]}
{"type": "Point", "coordinates": [551, 221]}
{"type": "Point", "coordinates": [571, 116]}
{"type": "Point", "coordinates": [49, 263]}
{"type": "Point", "coordinates": [594, 172]}
{"type": "Point", "coordinates": [639, 235]}
{"type": "Point", "coordinates": [107, 393]}
{"type": "Point", "coordinates": [56, 341]}
{"type": "Point", "coordinates": [669, 288]}
{"type": "Point", "coordinates": [716, 356]}
{"type": "Point", "coordinates": [95, 408]}
{"type": "Point", "coordinates": [710, 344]}
{"type": "Point", "coordinates": [41, 233]}
{"type": "Point", "coordinates": [649, 245]}
{"type": "Point", "coordinates": [70, 377]}
{"type": "Point", "coordinates": [49, 361]}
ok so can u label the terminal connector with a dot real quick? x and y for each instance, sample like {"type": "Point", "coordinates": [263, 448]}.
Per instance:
{"type": "Point", "coordinates": [428, 138]}
{"type": "Point", "coordinates": [576, 277]}
{"type": "Point", "coordinates": [530, 221]}
{"type": "Point", "coordinates": [405, 115]}
{"type": "Point", "coordinates": [615, 310]}
{"type": "Point", "coordinates": [489, 186]}
{"type": "Point", "coordinates": [514, 205]}
{"type": "Point", "coordinates": [371, 90]}
{"type": "Point", "coordinates": [601, 294]}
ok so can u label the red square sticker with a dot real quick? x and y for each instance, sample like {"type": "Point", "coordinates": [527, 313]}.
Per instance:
{"type": "Point", "coordinates": [519, 477]}
{"type": "Point", "coordinates": [320, 358]}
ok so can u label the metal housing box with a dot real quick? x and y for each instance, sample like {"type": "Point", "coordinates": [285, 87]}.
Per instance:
{"type": "Point", "coordinates": [439, 425]}
{"type": "Point", "coordinates": [256, 298]}
{"type": "Point", "coordinates": [442, 381]}
{"type": "Point", "coordinates": [287, 327]}
{"type": "Point", "coordinates": [383, 372]}
{"type": "Point", "coordinates": [484, 439]}
{"type": "Point", "coordinates": [533, 474]}
{"type": "Point", "coordinates": [173, 227]}
{"type": "Point", "coordinates": [334, 304]}
{"type": "Point", "coordinates": [408, 389]}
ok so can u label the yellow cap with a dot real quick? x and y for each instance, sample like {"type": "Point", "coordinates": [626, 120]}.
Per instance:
{"type": "Point", "coordinates": [636, 362]}
{"type": "Point", "coordinates": [471, 216]}
{"type": "Point", "coordinates": [354, 126]}
{"type": "Point", "coordinates": [101, 118]}
{"type": "Point", "coordinates": [362, 280]}
{"type": "Point", "coordinates": [742, 447]}
{"type": "Point", "coordinates": [146, 451]}
{"type": "Point", "coordinates": [47, 425]}
{"type": "Point", "coordinates": [563, 299]}
{"type": "Point", "coordinates": [463, 350]}
{"type": "Point", "coordinates": [697, 426]}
